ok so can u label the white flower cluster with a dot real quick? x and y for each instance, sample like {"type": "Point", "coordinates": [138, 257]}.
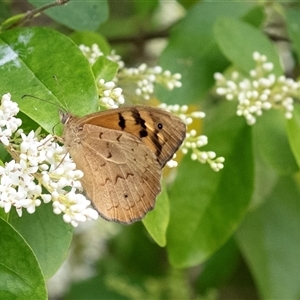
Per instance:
{"type": "Point", "coordinates": [8, 123]}
{"type": "Point", "coordinates": [41, 162]}
{"type": "Point", "coordinates": [92, 53]}
{"type": "Point", "coordinates": [262, 91]}
{"type": "Point", "coordinates": [109, 95]}
{"type": "Point", "coordinates": [18, 188]}
{"type": "Point", "coordinates": [142, 78]}
{"type": "Point", "coordinates": [193, 141]}
{"type": "Point", "coordinates": [116, 58]}
{"type": "Point", "coordinates": [61, 178]}
{"type": "Point", "coordinates": [145, 78]}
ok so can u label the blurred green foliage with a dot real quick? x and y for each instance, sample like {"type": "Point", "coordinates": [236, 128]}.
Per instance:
{"type": "Point", "coordinates": [227, 235]}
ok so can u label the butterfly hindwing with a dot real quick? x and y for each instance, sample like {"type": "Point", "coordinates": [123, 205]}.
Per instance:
{"type": "Point", "coordinates": [121, 175]}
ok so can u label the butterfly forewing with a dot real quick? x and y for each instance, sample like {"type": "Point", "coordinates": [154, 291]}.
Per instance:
{"type": "Point", "coordinates": [161, 131]}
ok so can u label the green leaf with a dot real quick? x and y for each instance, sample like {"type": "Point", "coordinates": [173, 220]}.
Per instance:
{"type": "Point", "coordinates": [104, 68]}
{"type": "Point", "coordinates": [156, 221]}
{"type": "Point", "coordinates": [77, 14]}
{"type": "Point", "coordinates": [187, 4]}
{"type": "Point", "coordinates": [193, 52]}
{"type": "Point", "coordinates": [293, 27]}
{"type": "Point", "coordinates": [4, 155]}
{"type": "Point", "coordinates": [269, 239]}
{"type": "Point", "coordinates": [255, 16]}
{"type": "Point", "coordinates": [3, 214]}
{"type": "Point", "coordinates": [265, 179]}
{"type": "Point", "coordinates": [20, 274]}
{"type": "Point", "coordinates": [293, 129]}
{"type": "Point", "coordinates": [145, 7]}
{"type": "Point", "coordinates": [24, 70]}
{"type": "Point", "coordinates": [5, 12]}
{"type": "Point", "coordinates": [206, 207]}
{"type": "Point", "coordinates": [271, 141]}
{"type": "Point", "coordinates": [88, 38]}
{"type": "Point", "coordinates": [47, 234]}
{"type": "Point", "coordinates": [219, 267]}
{"type": "Point", "coordinates": [238, 41]}
{"type": "Point", "coordinates": [94, 288]}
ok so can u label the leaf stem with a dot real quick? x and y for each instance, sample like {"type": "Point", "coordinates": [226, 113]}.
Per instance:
{"type": "Point", "coordinates": [33, 13]}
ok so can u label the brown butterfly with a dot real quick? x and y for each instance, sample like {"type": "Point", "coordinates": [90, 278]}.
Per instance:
{"type": "Point", "coordinates": [121, 153]}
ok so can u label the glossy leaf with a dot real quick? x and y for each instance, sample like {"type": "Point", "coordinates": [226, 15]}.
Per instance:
{"type": "Point", "coordinates": [156, 221]}
{"type": "Point", "coordinates": [271, 141]}
{"type": "Point", "coordinates": [88, 38]}
{"type": "Point", "coordinates": [196, 63]}
{"type": "Point", "coordinates": [77, 14]}
{"type": "Point", "coordinates": [293, 129]}
{"type": "Point", "coordinates": [238, 41]}
{"type": "Point", "coordinates": [145, 7]}
{"type": "Point", "coordinates": [24, 70]}
{"type": "Point", "coordinates": [208, 206]}
{"type": "Point", "coordinates": [269, 239]}
{"type": "Point", "coordinates": [103, 68]}
{"type": "Point", "coordinates": [93, 288]}
{"type": "Point", "coordinates": [20, 274]}
{"type": "Point", "coordinates": [264, 180]}
{"type": "Point", "coordinates": [219, 267]}
{"type": "Point", "coordinates": [293, 27]}
{"type": "Point", "coordinates": [5, 12]}
{"type": "Point", "coordinates": [187, 4]}
{"type": "Point", "coordinates": [46, 233]}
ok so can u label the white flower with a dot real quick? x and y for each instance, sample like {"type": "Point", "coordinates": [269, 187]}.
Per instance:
{"type": "Point", "coordinates": [110, 96]}
{"type": "Point", "coordinates": [145, 77]}
{"type": "Point", "coordinates": [182, 113]}
{"type": "Point", "coordinates": [92, 53]}
{"type": "Point", "coordinates": [63, 175]}
{"type": "Point", "coordinates": [40, 162]}
{"type": "Point", "coordinates": [8, 123]}
{"type": "Point", "coordinates": [261, 91]}
{"type": "Point", "coordinates": [18, 187]}
{"type": "Point", "coordinates": [193, 141]}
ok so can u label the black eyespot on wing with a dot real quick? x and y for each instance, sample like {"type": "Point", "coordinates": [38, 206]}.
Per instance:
{"type": "Point", "coordinates": [160, 126]}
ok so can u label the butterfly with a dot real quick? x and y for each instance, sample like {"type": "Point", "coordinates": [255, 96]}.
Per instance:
{"type": "Point", "coordinates": [121, 153]}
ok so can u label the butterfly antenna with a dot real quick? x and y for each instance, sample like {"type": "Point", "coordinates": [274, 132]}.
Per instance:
{"type": "Point", "coordinates": [60, 91]}
{"type": "Point", "coordinates": [40, 99]}
{"type": "Point", "coordinates": [53, 133]}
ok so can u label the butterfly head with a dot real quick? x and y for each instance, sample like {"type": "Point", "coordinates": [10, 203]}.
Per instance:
{"type": "Point", "coordinates": [64, 116]}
